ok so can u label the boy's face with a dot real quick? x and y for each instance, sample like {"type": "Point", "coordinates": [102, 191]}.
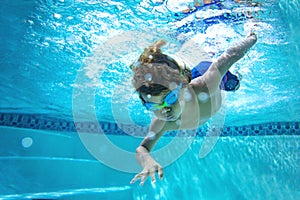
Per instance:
{"type": "Point", "coordinates": [163, 110]}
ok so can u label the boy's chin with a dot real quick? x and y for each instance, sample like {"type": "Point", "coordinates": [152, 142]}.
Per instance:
{"type": "Point", "coordinates": [170, 118]}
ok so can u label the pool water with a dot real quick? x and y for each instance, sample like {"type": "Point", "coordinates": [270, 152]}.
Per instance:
{"type": "Point", "coordinates": [65, 80]}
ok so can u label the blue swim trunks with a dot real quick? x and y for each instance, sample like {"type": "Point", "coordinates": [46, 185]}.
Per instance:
{"type": "Point", "coordinates": [230, 82]}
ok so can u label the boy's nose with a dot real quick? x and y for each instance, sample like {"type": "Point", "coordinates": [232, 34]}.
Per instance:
{"type": "Point", "coordinates": [166, 110]}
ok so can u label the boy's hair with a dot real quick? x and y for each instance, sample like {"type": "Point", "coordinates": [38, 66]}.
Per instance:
{"type": "Point", "coordinates": [155, 72]}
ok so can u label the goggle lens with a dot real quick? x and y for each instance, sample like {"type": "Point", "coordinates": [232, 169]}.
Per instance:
{"type": "Point", "coordinates": [170, 99]}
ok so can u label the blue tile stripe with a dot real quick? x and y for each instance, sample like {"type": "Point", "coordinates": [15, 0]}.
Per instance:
{"type": "Point", "coordinates": [43, 122]}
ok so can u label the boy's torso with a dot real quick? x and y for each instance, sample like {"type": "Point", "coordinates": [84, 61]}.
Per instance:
{"type": "Point", "coordinates": [199, 109]}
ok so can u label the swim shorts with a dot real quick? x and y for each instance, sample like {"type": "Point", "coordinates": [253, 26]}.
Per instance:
{"type": "Point", "coordinates": [230, 82]}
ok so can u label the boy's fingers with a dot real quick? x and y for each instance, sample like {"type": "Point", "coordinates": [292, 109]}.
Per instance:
{"type": "Point", "coordinates": [143, 176]}
{"type": "Point", "coordinates": [143, 180]}
{"type": "Point", "coordinates": [152, 174]}
{"type": "Point", "coordinates": [136, 177]}
{"type": "Point", "coordinates": [160, 172]}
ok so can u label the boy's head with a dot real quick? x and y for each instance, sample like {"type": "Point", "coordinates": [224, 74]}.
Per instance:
{"type": "Point", "coordinates": [155, 72]}
{"type": "Point", "coordinates": [158, 78]}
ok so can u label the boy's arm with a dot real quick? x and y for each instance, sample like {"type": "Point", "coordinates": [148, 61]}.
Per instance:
{"type": "Point", "coordinates": [217, 70]}
{"type": "Point", "coordinates": [156, 130]}
{"type": "Point", "coordinates": [150, 166]}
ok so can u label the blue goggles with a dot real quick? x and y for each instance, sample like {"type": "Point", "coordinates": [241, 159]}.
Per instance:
{"type": "Point", "coordinates": [169, 99]}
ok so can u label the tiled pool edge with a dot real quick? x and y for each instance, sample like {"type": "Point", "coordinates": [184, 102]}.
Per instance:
{"type": "Point", "coordinates": [43, 122]}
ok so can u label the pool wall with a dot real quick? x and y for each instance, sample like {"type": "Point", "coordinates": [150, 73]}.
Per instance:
{"type": "Point", "coordinates": [37, 161]}
{"type": "Point", "coordinates": [44, 122]}
{"type": "Point", "coordinates": [42, 156]}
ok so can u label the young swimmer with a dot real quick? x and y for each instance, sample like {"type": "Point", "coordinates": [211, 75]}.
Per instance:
{"type": "Point", "coordinates": [162, 84]}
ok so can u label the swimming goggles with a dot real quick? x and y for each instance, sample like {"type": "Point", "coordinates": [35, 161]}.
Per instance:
{"type": "Point", "coordinates": [169, 99]}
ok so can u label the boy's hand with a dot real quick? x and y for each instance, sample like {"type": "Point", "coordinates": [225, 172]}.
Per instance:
{"type": "Point", "coordinates": [253, 33]}
{"type": "Point", "coordinates": [150, 168]}
{"type": "Point", "coordinates": [251, 30]}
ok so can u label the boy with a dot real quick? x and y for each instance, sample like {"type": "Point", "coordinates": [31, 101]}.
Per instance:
{"type": "Point", "coordinates": [180, 98]}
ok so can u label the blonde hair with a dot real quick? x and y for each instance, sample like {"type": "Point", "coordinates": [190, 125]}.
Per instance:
{"type": "Point", "coordinates": [155, 71]}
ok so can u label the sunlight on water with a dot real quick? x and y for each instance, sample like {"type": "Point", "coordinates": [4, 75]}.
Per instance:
{"type": "Point", "coordinates": [63, 38]}
{"type": "Point", "coordinates": [268, 161]}
{"type": "Point", "coordinates": [89, 193]}
{"type": "Point", "coordinates": [49, 44]}
{"type": "Point", "coordinates": [290, 9]}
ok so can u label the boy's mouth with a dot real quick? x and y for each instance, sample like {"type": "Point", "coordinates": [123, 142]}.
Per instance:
{"type": "Point", "coordinates": [170, 118]}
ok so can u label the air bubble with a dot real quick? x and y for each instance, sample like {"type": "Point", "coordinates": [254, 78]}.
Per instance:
{"type": "Point", "coordinates": [149, 96]}
{"type": "Point", "coordinates": [30, 22]}
{"type": "Point", "coordinates": [203, 97]}
{"type": "Point", "coordinates": [151, 135]}
{"type": "Point", "coordinates": [187, 96]}
{"type": "Point", "coordinates": [57, 16]}
{"type": "Point", "coordinates": [150, 57]}
{"type": "Point", "coordinates": [148, 77]}
{"type": "Point", "coordinates": [27, 142]}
